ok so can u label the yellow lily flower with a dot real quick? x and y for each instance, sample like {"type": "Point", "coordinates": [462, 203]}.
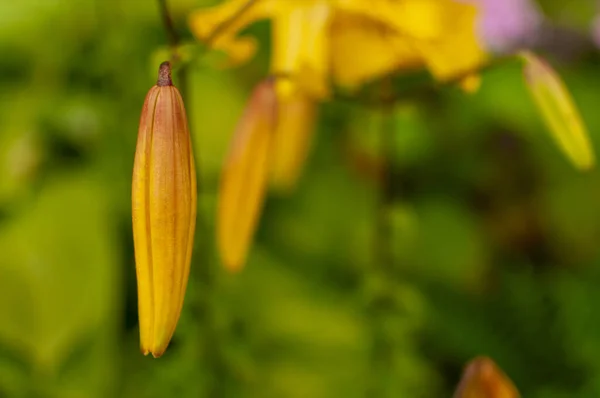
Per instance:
{"type": "Point", "coordinates": [317, 43]}
{"type": "Point", "coordinates": [351, 42]}
{"type": "Point", "coordinates": [164, 212]}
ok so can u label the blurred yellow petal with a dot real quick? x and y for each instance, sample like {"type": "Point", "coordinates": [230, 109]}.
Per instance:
{"type": "Point", "coordinates": [352, 41]}
{"type": "Point", "coordinates": [363, 49]}
{"type": "Point", "coordinates": [300, 47]}
{"type": "Point", "coordinates": [483, 379]}
{"type": "Point", "coordinates": [292, 140]}
{"type": "Point", "coordinates": [558, 110]}
{"type": "Point", "coordinates": [163, 212]}
{"type": "Point", "coordinates": [458, 49]}
{"type": "Point", "coordinates": [422, 19]}
{"type": "Point", "coordinates": [244, 177]}
{"type": "Point", "coordinates": [439, 34]}
{"type": "Point", "coordinates": [227, 20]}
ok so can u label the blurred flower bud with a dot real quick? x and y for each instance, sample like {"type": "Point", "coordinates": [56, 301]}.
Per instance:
{"type": "Point", "coordinates": [483, 379]}
{"type": "Point", "coordinates": [558, 110]}
{"type": "Point", "coordinates": [244, 176]}
{"type": "Point", "coordinates": [292, 140]}
{"type": "Point", "coordinates": [164, 212]}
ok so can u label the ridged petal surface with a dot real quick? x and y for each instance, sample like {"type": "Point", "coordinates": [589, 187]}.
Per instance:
{"type": "Point", "coordinates": [164, 215]}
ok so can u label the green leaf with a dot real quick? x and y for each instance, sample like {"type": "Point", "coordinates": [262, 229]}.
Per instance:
{"type": "Point", "coordinates": [58, 281]}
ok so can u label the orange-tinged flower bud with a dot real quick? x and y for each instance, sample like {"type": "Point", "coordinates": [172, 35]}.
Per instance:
{"type": "Point", "coordinates": [483, 379]}
{"type": "Point", "coordinates": [557, 108]}
{"type": "Point", "coordinates": [164, 212]}
{"type": "Point", "coordinates": [244, 176]}
{"type": "Point", "coordinates": [292, 140]}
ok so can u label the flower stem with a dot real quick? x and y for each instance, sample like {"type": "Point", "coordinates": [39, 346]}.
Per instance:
{"type": "Point", "coordinates": [381, 306]}
{"type": "Point", "coordinates": [172, 34]}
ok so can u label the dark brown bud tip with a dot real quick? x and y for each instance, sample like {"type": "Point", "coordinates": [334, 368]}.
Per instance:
{"type": "Point", "coordinates": [164, 75]}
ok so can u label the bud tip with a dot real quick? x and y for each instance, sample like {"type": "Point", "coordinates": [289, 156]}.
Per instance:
{"type": "Point", "coordinates": [164, 75]}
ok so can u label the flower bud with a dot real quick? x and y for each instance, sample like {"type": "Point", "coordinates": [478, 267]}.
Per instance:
{"type": "Point", "coordinates": [557, 108]}
{"type": "Point", "coordinates": [483, 379]}
{"type": "Point", "coordinates": [292, 140]}
{"type": "Point", "coordinates": [164, 212]}
{"type": "Point", "coordinates": [244, 176]}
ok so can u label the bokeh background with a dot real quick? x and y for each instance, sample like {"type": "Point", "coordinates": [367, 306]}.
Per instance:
{"type": "Point", "coordinates": [478, 239]}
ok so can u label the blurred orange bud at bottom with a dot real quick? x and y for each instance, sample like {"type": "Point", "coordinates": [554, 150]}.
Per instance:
{"type": "Point", "coordinates": [483, 379]}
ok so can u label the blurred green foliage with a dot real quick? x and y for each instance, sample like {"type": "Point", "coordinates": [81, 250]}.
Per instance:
{"type": "Point", "coordinates": [485, 242]}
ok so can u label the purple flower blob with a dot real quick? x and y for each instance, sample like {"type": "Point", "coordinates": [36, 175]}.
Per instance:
{"type": "Point", "coordinates": [596, 31]}
{"type": "Point", "coordinates": [508, 25]}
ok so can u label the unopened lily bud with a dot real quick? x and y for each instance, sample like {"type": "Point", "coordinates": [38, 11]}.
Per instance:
{"type": "Point", "coordinates": [164, 212]}
{"type": "Point", "coordinates": [292, 140]}
{"type": "Point", "coordinates": [483, 379]}
{"type": "Point", "coordinates": [244, 176]}
{"type": "Point", "coordinates": [558, 110]}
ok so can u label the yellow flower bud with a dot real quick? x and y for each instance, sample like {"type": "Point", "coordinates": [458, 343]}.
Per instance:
{"type": "Point", "coordinates": [483, 379]}
{"type": "Point", "coordinates": [557, 108]}
{"type": "Point", "coordinates": [244, 176]}
{"type": "Point", "coordinates": [164, 212]}
{"type": "Point", "coordinates": [292, 140]}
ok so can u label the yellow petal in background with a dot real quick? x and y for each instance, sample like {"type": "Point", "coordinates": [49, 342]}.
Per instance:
{"type": "Point", "coordinates": [300, 47]}
{"type": "Point", "coordinates": [438, 34]}
{"type": "Point", "coordinates": [164, 213]}
{"type": "Point", "coordinates": [292, 140]}
{"type": "Point", "coordinates": [457, 49]}
{"type": "Point", "coordinates": [244, 177]}
{"type": "Point", "coordinates": [363, 49]}
{"type": "Point", "coordinates": [558, 110]}
{"type": "Point", "coordinates": [421, 19]}
{"type": "Point", "coordinates": [222, 24]}
{"type": "Point", "coordinates": [483, 379]}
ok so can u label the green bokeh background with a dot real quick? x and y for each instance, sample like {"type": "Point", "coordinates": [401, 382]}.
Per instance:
{"type": "Point", "coordinates": [486, 242]}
